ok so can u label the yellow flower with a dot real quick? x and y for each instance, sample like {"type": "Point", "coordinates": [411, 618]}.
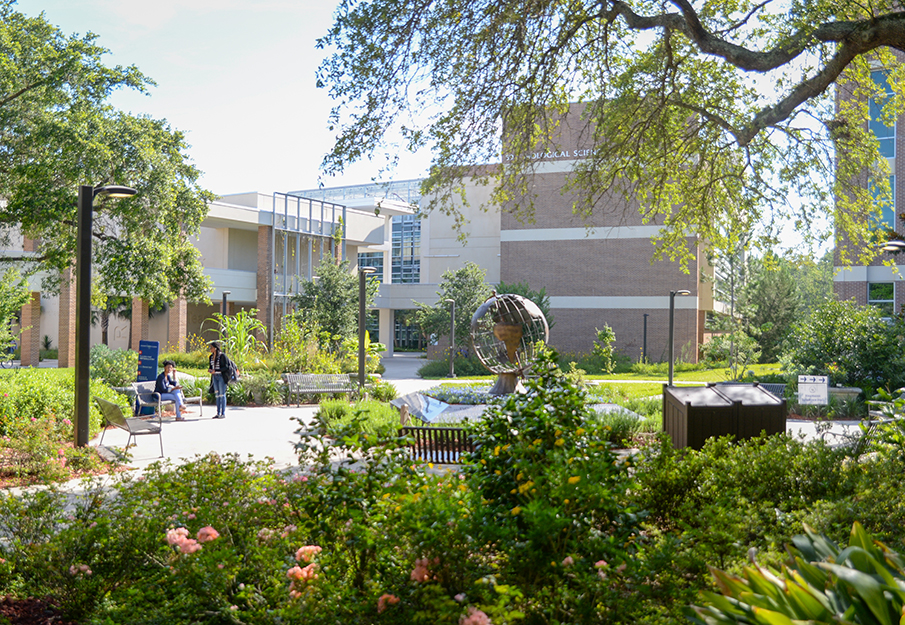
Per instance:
{"type": "Point", "coordinates": [496, 450]}
{"type": "Point", "coordinates": [574, 479]}
{"type": "Point", "coordinates": [533, 491]}
{"type": "Point", "coordinates": [512, 492]}
{"type": "Point", "coordinates": [565, 501]}
{"type": "Point", "coordinates": [498, 472]}
{"type": "Point", "coordinates": [559, 442]}
{"type": "Point", "coordinates": [430, 465]}
{"type": "Point", "coordinates": [579, 431]}
{"type": "Point", "coordinates": [516, 511]}
{"type": "Point", "coordinates": [385, 496]}
{"type": "Point", "coordinates": [537, 441]}
{"type": "Point", "coordinates": [519, 476]}
{"type": "Point", "coordinates": [558, 432]}
{"type": "Point", "coordinates": [463, 487]}
{"type": "Point", "coordinates": [483, 461]}
{"type": "Point", "coordinates": [506, 446]}
{"type": "Point", "coordinates": [525, 487]}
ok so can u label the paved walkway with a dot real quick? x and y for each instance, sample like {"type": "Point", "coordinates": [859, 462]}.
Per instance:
{"type": "Point", "coordinates": [269, 431]}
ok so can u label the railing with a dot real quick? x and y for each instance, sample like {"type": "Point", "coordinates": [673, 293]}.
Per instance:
{"type": "Point", "coordinates": [439, 445]}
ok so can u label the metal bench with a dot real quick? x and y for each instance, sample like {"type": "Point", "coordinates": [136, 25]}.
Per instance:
{"type": "Point", "coordinates": [439, 445]}
{"type": "Point", "coordinates": [146, 396]}
{"type": "Point", "coordinates": [299, 384]}
{"type": "Point", "coordinates": [113, 415]}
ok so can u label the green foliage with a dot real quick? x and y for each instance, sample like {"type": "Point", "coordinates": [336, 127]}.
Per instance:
{"type": "Point", "coordinates": [850, 343]}
{"type": "Point", "coordinates": [382, 391]}
{"type": "Point", "coordinates": [14, 293]}
{"type": "Point", "coordinates": [603, 349]}
{"type": "Point", "coordinates": [60, 132]}
{"type": "Point", "coordinates": [820, 583]}
{"type": "Point", "coordinates": [538, 297]}
{"type": "Point", "coordinates": [548, 481]}
{"type": "Point", "coordinates": [373, 416]}
{"type": "Point", "coordinates": [773, 302]}
{"type": "Point", "coordinates": [814, 278]}
{"type": "Point", "coordinates": [198, 359]}
{"type": "Point", "coordinates": [330, 303]}
{"type": "Point", "coordinates": [465, 366]}
{"type": "Point", "coordinates": [633, 73]}
{"type": "Point", "coordinates": [116, 367]}
{"type": "Point", "coordinates": [468, 288]}
{"type": "Point", "coordinates": [241, 336]}
{"type": "Point", "coordinates": [734, 349]}
{"type": "Point", "coordinates": [298, 349]}
{"type": "Point", "coordinates": [34, 394]}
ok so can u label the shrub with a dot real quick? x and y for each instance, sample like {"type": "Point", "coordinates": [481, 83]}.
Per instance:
{"type": "Point", "coordinates": [852, 344]}
{"type": "Point", "coordinates": [382, 391]}
{"type": "Point", "coordinates": [465, 366]}
{"type": "Point", "coordinates": [371, 416]}
{"type": "Point", "coordinates": [116, 367]}
{"type": "Point", "coordinates": [546, 481]}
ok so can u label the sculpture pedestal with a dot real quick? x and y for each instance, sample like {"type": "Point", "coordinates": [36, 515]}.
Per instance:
{"type": "Point", "coordinates": [507, 383]}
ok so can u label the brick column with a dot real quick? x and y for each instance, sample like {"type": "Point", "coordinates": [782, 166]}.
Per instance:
{"type": "Point", "coordinates": [66, 340]}
{"type": "Point", "coordinates": [178, 325]}
{"type": "Point", "coordinates": [30, 341]}
{"type": "Point", "coordinates": [139, 322]}
{"type": "Point", "coordinates": [264, 281]}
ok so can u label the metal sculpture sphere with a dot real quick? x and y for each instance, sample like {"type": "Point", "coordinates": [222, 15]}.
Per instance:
{"type": "Point", "coordinates": [504, 332]}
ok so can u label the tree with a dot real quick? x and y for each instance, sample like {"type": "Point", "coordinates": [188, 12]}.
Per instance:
{"type": "Point", "coordinates": [331, 301]}
{"type": "Point", "coordinates": [702, 112]}
{"type": "Point", "coordinates": [771, 299]}
{"type": "Point", "coordinates": [815, 280]}
{"type": "Point", "coordinates": [538, 297]}
{"type": "Point", "coordinates": [14, 294]}
{"type": "Point", "coordinates": [468, 288]}
{"type": "Point", "coordinates": [59, 132]}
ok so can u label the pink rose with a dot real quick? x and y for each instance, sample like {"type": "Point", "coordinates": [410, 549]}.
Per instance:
{"type": "Point", "coordinates": [207, 534]}
{"type": "Point", "coordinates": [568, 561]}
{"type": "Point", "coordinates": [307, 553]}
{"type": "Point", "coordinates": [384, 600]}
{"type": "Point", "coordinates": [474, 617]}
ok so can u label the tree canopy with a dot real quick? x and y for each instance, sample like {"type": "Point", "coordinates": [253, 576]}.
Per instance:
{"type": "Point", "coordinates": [468, 288]}
{"type": "Point", "coordinates": [330, 302]}
{"type": "Point", "coordinates": [711, 114]}
{"type": "Point", "coordinates": [58, 132]}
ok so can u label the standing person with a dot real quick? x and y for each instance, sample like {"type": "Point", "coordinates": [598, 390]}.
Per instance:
{"type": "Point", "coordinates": [170, 389]}
{"type": "Point", "coordinates": [218, 369]}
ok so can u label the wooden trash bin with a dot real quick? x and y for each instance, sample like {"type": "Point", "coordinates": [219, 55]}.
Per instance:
{"type": "Point", "coordinates": [758, 409]}
{"type": "Point", "coordinates": [692, 414]}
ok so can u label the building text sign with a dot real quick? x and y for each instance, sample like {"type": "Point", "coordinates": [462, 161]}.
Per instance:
{"type": "Point", "coordinates": [812, 390]}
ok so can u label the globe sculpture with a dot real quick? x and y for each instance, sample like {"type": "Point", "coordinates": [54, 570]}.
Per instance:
{"type": "Point", "coordinates": [504, 332]}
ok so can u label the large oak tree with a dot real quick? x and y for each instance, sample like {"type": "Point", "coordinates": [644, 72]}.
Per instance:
{"type": "Point", "coordinates": [58, 131]}
{"type": "Point", "coordinates": [713, 114]}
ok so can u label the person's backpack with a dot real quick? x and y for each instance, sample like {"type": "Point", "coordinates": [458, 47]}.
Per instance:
{"type": "Point", "coordinates": [232, 371]}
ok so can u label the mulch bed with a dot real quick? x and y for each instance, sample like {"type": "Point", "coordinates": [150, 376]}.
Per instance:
{"type": "Point", "coordinates": [31, 612]}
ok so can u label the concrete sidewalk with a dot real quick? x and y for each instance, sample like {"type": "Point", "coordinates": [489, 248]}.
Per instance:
{"type": "Point", "coordinates": [269, 431]}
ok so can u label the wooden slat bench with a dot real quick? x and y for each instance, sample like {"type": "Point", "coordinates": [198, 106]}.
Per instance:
{"type": "Point", "coordinates": [442, 445]}
{"type": "Point", "coordinates": [299, 384]}
{"type": "Point", "coordinates": [113, 414]}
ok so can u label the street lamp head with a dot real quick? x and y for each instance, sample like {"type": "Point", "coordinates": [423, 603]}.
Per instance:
{"type": "Point", "coordinates": [227, 292]}
{"type": "Point", "coordinates": [682, 292]}
{"type": "Point", "coordinates": [366, 270]}
{"type": "Point", "coordinates": [115, 191]}
{"type": "Point", "coordinates": [450, 301]}
{"type": "Point", "coordinates": [894, 246]}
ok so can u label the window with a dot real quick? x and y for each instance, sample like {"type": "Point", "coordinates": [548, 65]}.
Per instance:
{"type": "Point", "coordinates": [881, 295]}
{"type": "Point", "coordinates": [375, 260]}
{"type": "Point", "coordinates": [887, 205]}
{"type": "Point", "coordinates": [886, 135]}
{"type": "Point", "coordinates": [406, 267]}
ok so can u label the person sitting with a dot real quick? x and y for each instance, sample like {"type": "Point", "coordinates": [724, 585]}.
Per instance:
{"type": "Point", "coordinates": [170, 389]}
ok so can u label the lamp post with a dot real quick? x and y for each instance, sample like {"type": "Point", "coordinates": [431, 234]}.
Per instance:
{"type": "Point", "coordinates": [644, 341]}
{"type": "Point", "coordinates": [363, 273]}
{"type": "Point", "coordinates": [894, 246]}
{"type": "Point", "coordinates": [672, 326]}
{"type": "Point", "coordinates": [87, 195]}
{"type": "Point", "coordinates": [223, 305]}
{"type": "Point", "coordinates": [452, 337]}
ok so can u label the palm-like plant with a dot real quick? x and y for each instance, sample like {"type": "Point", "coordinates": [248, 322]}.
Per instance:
{"type": "Point", "coordinates": [821, 583]}
{"type": "Point", "coordinates": [239, 335]}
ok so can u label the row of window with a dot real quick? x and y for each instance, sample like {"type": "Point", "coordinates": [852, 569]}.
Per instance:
{"type": "Point", "coordinates": [405, 265]}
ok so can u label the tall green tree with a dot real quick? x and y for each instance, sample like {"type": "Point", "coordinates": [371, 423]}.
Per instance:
{"type": "Point", "coordinates": [814, 278]}
{"type": "Point", "coordinates": [331, 300]}
{"type": "Point", "coordinates": [771, 300]}
{"type": "Point", "coordinates": [58, 132]}
{"type": "Point", "coordinates": [705, 112]}
{"type": "Point", "coordinates": [14, 294]}
{"type": "Point", "coordinates": [468, 288]}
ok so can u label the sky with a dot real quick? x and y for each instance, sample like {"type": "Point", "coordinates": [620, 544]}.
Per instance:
{"type": "Point", "coordinates": [237, 76]}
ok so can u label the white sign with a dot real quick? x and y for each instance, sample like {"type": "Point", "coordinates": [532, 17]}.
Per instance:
{"type": "Point", "coordinates": [812, 390]}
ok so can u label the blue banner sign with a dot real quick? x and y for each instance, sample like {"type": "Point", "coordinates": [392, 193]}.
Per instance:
{"type": "Point", "coordinates": [148, 352]}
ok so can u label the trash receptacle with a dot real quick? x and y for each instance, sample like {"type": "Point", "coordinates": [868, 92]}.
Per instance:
{"type": "Point", "coordinates": [758, 409]}
{"type": "Point", "coordinates": [692, 414]}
